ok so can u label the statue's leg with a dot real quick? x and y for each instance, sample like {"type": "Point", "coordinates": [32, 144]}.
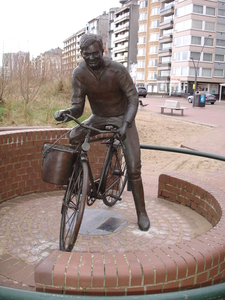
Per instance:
{"type": "Point", "coordinates": [133, 160]}
{"type": "Point", "coordinates": [138, 194]}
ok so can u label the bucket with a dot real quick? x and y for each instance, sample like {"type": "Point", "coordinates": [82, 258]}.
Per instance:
{"type": "Point", "coordinates": [58, 163]}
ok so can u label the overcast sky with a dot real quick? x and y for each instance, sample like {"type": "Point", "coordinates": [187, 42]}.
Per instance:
{"type": "Point", "coordinates": [40, 25]}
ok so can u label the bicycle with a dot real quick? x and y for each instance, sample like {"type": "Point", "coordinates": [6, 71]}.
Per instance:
{"type": "Point", "coordinates": [83, 188]}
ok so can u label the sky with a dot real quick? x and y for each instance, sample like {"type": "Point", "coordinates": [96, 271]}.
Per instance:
{"type": "Point", "coordinates": [37, 26]}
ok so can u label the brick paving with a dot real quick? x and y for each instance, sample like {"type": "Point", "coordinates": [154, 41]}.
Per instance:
{"type": "Point", "coordinates": [29, 225]}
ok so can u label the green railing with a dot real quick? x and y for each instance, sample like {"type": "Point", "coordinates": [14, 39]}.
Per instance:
{"type": "Point", "coordinates": [183, 151]}
{"type": "Point", "coordinates": [211, 292]}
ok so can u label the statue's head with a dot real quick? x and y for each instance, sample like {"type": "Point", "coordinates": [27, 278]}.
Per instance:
{"type": "Point", "coordinates": [92, 50]}
{"type": "Point", "coordinates": [89, 38]}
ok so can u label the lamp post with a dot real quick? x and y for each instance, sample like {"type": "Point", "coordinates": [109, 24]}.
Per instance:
{"type": "Point", "coordinates": [196, 67]}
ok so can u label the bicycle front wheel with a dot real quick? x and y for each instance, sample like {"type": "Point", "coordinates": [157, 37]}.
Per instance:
{"type": "Point", "coordinates": [73, 206]}
{"type": "Point", "coordinates": [115, 176]}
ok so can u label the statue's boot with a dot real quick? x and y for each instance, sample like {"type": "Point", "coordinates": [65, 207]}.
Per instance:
{"type": "Point", "coordinates": [138, 195]}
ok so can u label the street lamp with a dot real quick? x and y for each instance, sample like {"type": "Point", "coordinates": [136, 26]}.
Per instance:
{"type": "Point", "coordinates": [196, 67]}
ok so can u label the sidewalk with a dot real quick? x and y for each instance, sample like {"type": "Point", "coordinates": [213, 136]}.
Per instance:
{"type": "Point", "coordinates": [29, 225]}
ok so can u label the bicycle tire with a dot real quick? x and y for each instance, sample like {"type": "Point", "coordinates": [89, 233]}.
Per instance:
{"type": "Point", "coordinates": [115, 176]}
{"type": "Point", "coordinates": [73, 206]}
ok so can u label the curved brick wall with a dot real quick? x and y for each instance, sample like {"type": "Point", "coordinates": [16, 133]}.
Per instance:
{"type": "Point", "coordinates": [194, 264]}
{"type": "Point", "coordinates": [200, 262]}
{"type": "Point", "coordinates": [21, 157]}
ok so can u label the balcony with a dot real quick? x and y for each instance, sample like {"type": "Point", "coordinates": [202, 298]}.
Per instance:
{"type": "Point", "coordinates": [164, 66]}
{"type": "Point", "coordinates": [122, 18]}
{"type": "Point", "coordinates": [166, 39]}
{"type": "Point", "coordinates": [167, 11]}
{"type": "Point", "coordinates": [121, 58]}
{"type": "Point", "coordinates": [119, 49]}
{"type": "Point", "coordinates": [121, 38]}
{"type": "Point", "coordinates": [166, 1]}
{"type": "Point", "coordinates": [166, 25]}
{"type": "Point", "coordinates": [165, 52]}
{"type": "Point", "coordinates": [121, 28]}
{"type": "Point", "coordinates": [163, 78]}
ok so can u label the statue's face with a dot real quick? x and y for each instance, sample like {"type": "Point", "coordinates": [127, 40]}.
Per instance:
{"type": "Point", "coordinates": [93, 56]}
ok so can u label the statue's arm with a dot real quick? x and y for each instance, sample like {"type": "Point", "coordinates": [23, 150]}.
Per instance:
{"type": "Point", "coordinates": [78, 95]}
{"type": "Point", "coordinates": [131, 94]}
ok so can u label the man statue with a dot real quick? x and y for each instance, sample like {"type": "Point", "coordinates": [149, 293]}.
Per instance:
{"type": "Point", "coordinates": [114, 101]}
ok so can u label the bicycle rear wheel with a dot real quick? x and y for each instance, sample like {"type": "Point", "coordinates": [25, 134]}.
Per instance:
{"type": "Point", "coordinates": [73, 206]}
{"type": "Point", "coordinates": [115, 176]}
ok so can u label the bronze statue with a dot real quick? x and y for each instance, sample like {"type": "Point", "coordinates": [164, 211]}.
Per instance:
{"type": "Point", "coordinates": [114, 101]}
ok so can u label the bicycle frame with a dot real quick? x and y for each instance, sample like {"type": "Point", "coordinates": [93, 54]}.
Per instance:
{"type": "Point", "coordinates": [97, 192]}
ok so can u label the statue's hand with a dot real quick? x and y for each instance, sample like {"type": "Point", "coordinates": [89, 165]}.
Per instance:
{"type": "Point", "coordinates": [122, 131]}
{"type": "Point", "coordinates": [60, 114]}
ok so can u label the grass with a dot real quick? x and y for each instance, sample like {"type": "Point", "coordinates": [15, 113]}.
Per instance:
{"type": "Point", "coordinates": [40, 111]}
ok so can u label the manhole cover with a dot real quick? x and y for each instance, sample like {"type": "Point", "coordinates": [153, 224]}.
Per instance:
{"type": "Point", "coordinates": [101, 222]}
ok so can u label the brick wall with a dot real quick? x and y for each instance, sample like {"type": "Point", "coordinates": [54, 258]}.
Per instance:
{"type": "Point", "coordinates": [193, 264]}
{"type": "Point", "coordinates": [21, 157]}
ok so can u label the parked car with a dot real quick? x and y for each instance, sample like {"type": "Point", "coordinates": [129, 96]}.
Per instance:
{"type": "Point", "coordinates": [209, 98]}
{"type": "Point", "coordinates": [142, 92]}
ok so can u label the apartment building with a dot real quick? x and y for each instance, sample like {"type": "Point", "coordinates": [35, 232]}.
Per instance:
{"type": "Point", "coordinates": [71, 52]}
{"type": "Point", "coordinates": [111, 35]}
{"type": "Point", "coordinates": [198, 47]}
{"type": "Point", "coordinates": [71, 56]}
{"type": "Point", "coordinates": [148, 44]}
{"type": "Point", "coordinates": [178, 40]}
{"type": "Point", "coordinates": [126, 33]}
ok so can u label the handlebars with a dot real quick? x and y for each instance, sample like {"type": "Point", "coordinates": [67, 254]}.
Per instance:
{"type": "Point", "coordinates": [108, 129]}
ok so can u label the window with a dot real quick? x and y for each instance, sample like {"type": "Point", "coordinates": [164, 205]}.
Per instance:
{"type": "Point", "coordinates": [184, 71]}
{"type": "Point", "coordinates": [141, 64]}
{"type": "Point", "coordinates": [155, 11]}
{"type": "Point", "coordinates": [178, 41]}
{"type": "Point", "coordinates": [185, 55]}
{"type": "Point", "coordinates": [140, 76]}
{"type": "Point", "coordinates": [141, 52]}
{"type": "Point", "coordinates": [209, 41]}
{"type": "Point", "coordinates": [220, 43]}
{"type": "Point", "coordinates": [221, 12]}
{"type": "Point", "coordinates": [166, 59]}
{"type": "Point", "coordinates": [181, 26]}
{"type": "Point", "coordinates": [155, 24]}
{"type": "Point", "coordinates": [209, 26]}
{"type": "Point", "coordinates": [153, 50]}
{"type": "Point", "coordinates": [211, 11]}
{"type": "Point", "coordinates": [195, 55]}
{"type": "Point", "coordinates": [143, 16]}
{"type": "Point", "coordinates": [184, 10]}
{"type": "Point", "coordinates": [142, 40]}
{"type": "Point", "coordinates": [192, 72]}
{"type": "Point", "coordinates": [196, 40]}
{"type": "Point", "coordinates": [164, 73]}
{"type": "Point", "coordinates": [198, 9]}
{"type": "Point", "coordinates": [154, 37]}
{"type": "Point", "coordinates": [207, 57]}
{"type": "Point", "coordinates": [196, 24]}
{"type": "Point", "coordinates": [144, 4]}
{"type": "Point", "coordinates": [152, 75]}
{"type": "Point", "coordinates": [153, 63]}
{"type": "Point", "coordinates": [221, 27]}
{"type": "Point", "coordinates": [143, 28]}
{"type": "Point", "coordinates": [178, 56]}
{"type": "Point", "coordinates": [206, 72]}
{"type": "Point", "coordinates": [219, 57]}
{"type": "Point", "coordinates": [218, 73]}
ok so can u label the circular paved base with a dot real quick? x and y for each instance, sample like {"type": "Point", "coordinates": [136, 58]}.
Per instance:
{"type": "Point", "coordinates": [29, 226]}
